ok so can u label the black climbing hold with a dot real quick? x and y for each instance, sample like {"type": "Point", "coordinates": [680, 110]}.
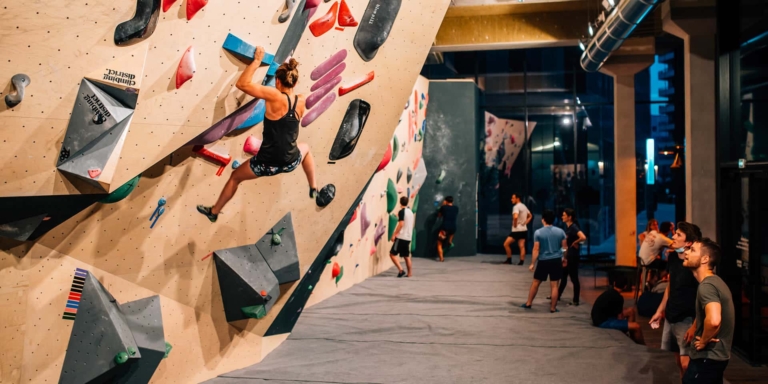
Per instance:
{"type": "Point", "coordinates": [19, 82]}
{"type": "Point", "coordinates": [326, 195]}
{"type": "Point", "coordinates": [409, 176]}
{"type": "Point", "coordinates": [399, 175]}
{"type": "Point", "coordinates": [350, 130]}
{"type": "Point", "coordinates": [338, 245]}
{"type": "Point", "coordinates": [141, 25]}
{"type": "Point", "coordinates": [375, 26]}
{"type": "Point", "coordinates": [98, 119]}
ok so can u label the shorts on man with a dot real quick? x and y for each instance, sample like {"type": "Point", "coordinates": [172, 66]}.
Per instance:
{"type": "Point", "coordinates": [401, 247]}
{"type": "Point", "coordinates": [517, 236]}
{"type": "Point", "coordinates": [552, 268]}
{"type": "Point", "coordinates": [616, 323]}
{"type": "Point", "coordinates": [673, 336]}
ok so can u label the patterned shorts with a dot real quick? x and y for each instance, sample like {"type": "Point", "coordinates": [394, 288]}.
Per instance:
{"type": "Point", "coordinates": [260, 169]}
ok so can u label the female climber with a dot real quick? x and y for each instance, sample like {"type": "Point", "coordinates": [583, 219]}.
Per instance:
{"type": "Point", "coordinates": [279, 152]}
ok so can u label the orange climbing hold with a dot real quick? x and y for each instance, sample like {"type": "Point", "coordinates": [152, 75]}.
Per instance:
{"type": "Point", "coordinates": [94, 173]}
{"type": "Point", "coordinates": [186, 67]}
{"type": "Point", "coordinates": [336, 270]}
{"type": "Point", "coordinates": [263, 293]}
{"type": "Point", "coordinates": [193, 6]}
{"type": "Point", "coordinates": [354, 216]}
{"type": "Point", "coordinates": [386, 159]}
{"type": "Point", "coordinates": [325, 22]}
{"type": "Point", "coordinates": [359, 82]}
{"type": "Point", "coordinates": [346, 19]}
{"type": "Point", "coordinates": [167, 4]}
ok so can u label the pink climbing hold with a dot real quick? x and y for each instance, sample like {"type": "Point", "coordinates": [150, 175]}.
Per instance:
{"type": "Point", "coordinates": [357, 83]}
{"type": "Point", "coordinates": [386, 159]}
{"type": "Point", "coordinates": [311, 4]}
{"type": "Point", "coordinates": [316, 96]}
{"type": "Point", "coordinates": [325, 22]}
{"type": "Point", "coordinates": [346, 19]}
{"type": "Point", "coordinates": [380, 230]}
{"type": "Point", "coordinates": [193, 6]}
{"type": "Point", "coordinates": [167, 4]}
{"type": "Point", "coordinates": [328, 64]}
{"type": "Point", "coordinates": [365, 222]}
{"type": "Point", "coordinates": [373, 250]}
{"type": "Point", "coordinates": [322, 106]}
{"type": "Point", "coordinates": [336, 71]}
{"type": "Point", "coordinates": [252, 145]}
{"type": "Point", "coordinates": [336, 270]}
{"type": "Point", "coordinates": [94, 173]}
{"type": "Point", "coordinates": [399, 189]}
{"type": "Point", "coordinates": [186, 67]}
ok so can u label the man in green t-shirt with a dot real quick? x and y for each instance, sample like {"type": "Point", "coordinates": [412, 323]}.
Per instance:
{"type": "Point", "coordinates": [715, 316]}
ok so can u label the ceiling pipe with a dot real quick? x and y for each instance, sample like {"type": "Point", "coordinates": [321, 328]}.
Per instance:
{"type": "Point", "coordinates": [622, 21]}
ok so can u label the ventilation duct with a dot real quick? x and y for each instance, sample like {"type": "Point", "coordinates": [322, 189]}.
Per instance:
{"type": "Point", "coordinates": [617, 27]}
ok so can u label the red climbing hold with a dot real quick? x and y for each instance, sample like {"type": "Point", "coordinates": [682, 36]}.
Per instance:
{"type": "Point", "coordinates": [193, 6]}
{"type": "Point", "coordinates": [325, 22]}
{"type": "Point", "coordinates": [252, 145]}
{"type": "Point", "coordinates": [344, 89]}
{"type": "Point", "coordinates": [186, 67]}
{"type": "Point", "coordinates": [94, 173]}
{"type": "Point", "coordinates": [373, 250]}
{"type": "Point", "coordinates": [354, 216]}
{"type": "Point", "coordinates": [167, 4]}
{"type": "Point", "coordinates": [336, 270]}
{"type": "Point", "coordinates": [213, 156]}
{"type": "Point", "coordinates": [311, 4]}
{"type": "Point", "coordinates": [386, 159]}
{"type": "Point", "coordinates": [346, 19]}
{"type": "Point", "coordinates": [264, 293]}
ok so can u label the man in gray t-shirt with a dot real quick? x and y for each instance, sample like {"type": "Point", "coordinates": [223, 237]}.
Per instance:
{"type": "Point", "coordinates": [715, 316]}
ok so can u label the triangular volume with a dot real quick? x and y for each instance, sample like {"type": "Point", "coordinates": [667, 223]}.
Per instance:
{"type": "Point", "coordinates": [420, 176]}
{"type": "Point", "coordinates": [279, 250]}
{"type": "Point", "coordinates": [243, 276]}
{"type": "Point", "coordinates": [101, 347]}
{"type": "Point", "coordinates": [90, 162]}
{"type": "Point", "coordinates": [94, 113]}
{"type": "Point", "coordinates": [22, 229]}
{"type": "Point", "coordinates": [146, 322]}
{"type": "Point", "coordinates": [124, 73]}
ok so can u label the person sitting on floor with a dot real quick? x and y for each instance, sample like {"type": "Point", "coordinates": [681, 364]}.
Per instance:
{"type": "Point", "coordinates": [608, 312]}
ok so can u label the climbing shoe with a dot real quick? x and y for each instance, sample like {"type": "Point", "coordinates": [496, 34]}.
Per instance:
{"type": "Point", "coordinates": [401, 274]}
{"type": "Point", "coordinates": [207, 212]}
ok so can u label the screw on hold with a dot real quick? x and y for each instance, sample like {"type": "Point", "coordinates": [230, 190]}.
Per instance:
{"type": "Point", "coordinates": [98, 119]}
{"type": "Point", "coordinates": [132, 351]}
{"type": "Point", "coordinates": [168, 348]}
{"type": "Point", "coordinates": [121, 358]}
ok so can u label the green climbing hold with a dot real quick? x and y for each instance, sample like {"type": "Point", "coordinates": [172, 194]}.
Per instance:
{"type": "Point", "coordinates": [392, 224]}
{"type": "Point", "coordinates": [395, 148]}
{"type": "Point", "coordinates": [122, 192]}
{"type": "Point", "coordinates": [276, 240]}
{"type": "Point", "coordinates": [415, 204]}
{"type": "Point", "coordinates": [132, 351]}
{"type": "Point", "coordinates": [340, 275]}
{"type": "Point", "coordinates": [255, 312]}
{"type": "Point", "coordinates": [419, 136]}
{"type": "Point", "coordinates": [327, 261]}
{"type": "Point", "coordinates": [421, 105]}
{"type": "Point", "coordinates": [121, 358]}
{"type": "Point", "coordinates": [310, 287]}
{"type": "Point", "coordinates": [440, 178]}
{"type": "Point", "coordinates": [168, 348]}
{"type": "Point", "coordinates": [391, 196]}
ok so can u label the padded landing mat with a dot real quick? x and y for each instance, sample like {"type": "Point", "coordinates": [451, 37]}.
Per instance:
{"type": "Point", "coordinates": [453, 322]}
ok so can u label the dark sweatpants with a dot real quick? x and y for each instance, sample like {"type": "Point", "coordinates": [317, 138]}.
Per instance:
{"type": "Point", "coordinates": [572, 270]}
{"type": "Point", "coordinates": [705, 371]}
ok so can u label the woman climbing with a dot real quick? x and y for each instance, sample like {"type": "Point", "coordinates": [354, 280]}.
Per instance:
{"type": "Point", "coordinates": [279, 152]}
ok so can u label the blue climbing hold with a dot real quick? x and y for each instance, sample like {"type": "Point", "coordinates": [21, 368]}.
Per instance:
{"type": "Point", "coordinates": [244, 51]}
{"type": "Point", "coordinates": [256, 117]}
{"type": "Point", "coordinates": [273, 68]}
{"type": "Point", "coordinates": [235, 164]}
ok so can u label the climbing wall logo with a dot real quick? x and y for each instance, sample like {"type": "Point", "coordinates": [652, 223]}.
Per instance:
{"type": "Point", "coordinates": [75, 292]}
{"type": "Point", "coordinates": [120, 77]}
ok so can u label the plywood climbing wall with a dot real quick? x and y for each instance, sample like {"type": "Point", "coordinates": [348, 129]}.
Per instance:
{"type": "Point", "coordinates": [58, 44]}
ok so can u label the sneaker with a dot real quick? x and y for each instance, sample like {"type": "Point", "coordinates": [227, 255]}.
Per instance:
{"type": "Point", "coordinates": [525, 306]}
{"type": "Point", "coordinates": [574, 303]}
{"type": "Point", "coordinates": [521, 262]}
{"type": "Point", "coordinates": [207, 212]}
{"type": "Point", "coordinates": [401, 274]}
{"type": "Point", "coordinates": [555, 311]}
{"type": "Point", "coordinates": [508, 261]}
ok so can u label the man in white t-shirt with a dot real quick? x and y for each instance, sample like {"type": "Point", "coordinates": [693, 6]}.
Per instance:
{"type": "Point", "coordinates": [521, 216]}
{"type": "Point", "coordinates": [401, 238]}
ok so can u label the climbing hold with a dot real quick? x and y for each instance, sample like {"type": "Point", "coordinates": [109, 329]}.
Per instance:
{"type": "Point", "coordinates": [354, 216]}
{"type": "Point", "coordinates": [263, 293]}
{"type": "Point", "coordinates": [408, 192]}
{"type": "Point", "coordinates": [399, 174]}
{"type": "Point", "coordinates": [19, 83]}
{"type": "Point", "coordinates": [310, 287]}
{"type": "Point", "coordinates": [336, 270]}
{"type": "Point", "coordinates": [186, 67]}
{"type": "Point", "coordinates": [385, 160]}
{"type": "Point", "coordinates": [193, 6]}
{"type": "Point", "coordinates": [440, 178]}
{"type": "Point", "coordinates": [365, 222]}
{"type": "Point", "coordinates": [379, 232]}
{"type": "Point", "coordinates": [357, 83]}
{"type": "Point", "coordinates": [159, 213]}
{"type": "Point", "coordinates": [132, 351]}
{"type": "Point", "coordinates": [276, 240]}
{"type": "Point", "coordinates": [167, 4]}
{"type": "Point", "coordinates": [168, 348]}
{"type": "Point", "coordinates": [121, 358]}
{"type": "Point", "coordinates": [395, 147]}
{"type": "Point", "coordinates": [391, 196]}
{"type": "Point", "coordinates": [273, 68]}
{"type": "Point", "coordinates": [346, 19]}
{"type": "Point", "coordinates": [316, 96]}
{"type": "Point", "coordinates": [325, 195]}
{"type": "Point", "coordinates": [392, 225]}
{"type": "Point", "coordinates": [325, 22]}
{"type": "Point", "coordinates": [328, 64]}
{"type": "Point", "coordinates": [256, 116]}
{"type": "Point", "coordinates": [94, 173]}
{"type": "Point", "coordinates": [311, 4]}
{"type": "Point", "coordinates": [252, 145]}
{"type": "Point", "coordinates": [255, 311]}
{"type": "Point", "coordinates": [286, 14]}
{"type": "Point", "coordinates": [337, 245]}
{"type": "Point", "coordinates": [351, 128]}
{"type": "Point", "coordinates": [373, 251]}
{"type": "Point", "coordinates": [332, 75]}
{"type": "Point", "coordinates": [399, 190]}
{"type": "Point", "coordinates": [122, 192]}
{"type": "Point", "coordinates": [380, 15]}
{"type": "Point", "coordinates": [321, 107]}
{"type": "Point", "coordinates": [415, 206]}
{"type": "Point", "coordinates": [235, 164]}
{"type": "Point", "coordinates": [340, 275]}
{"type": "Point", "coordinates": [213, 156]}
{"type": "Point", "coordinates": [328, 261]}
{"type": "Point", "coordinates": [142, 24]}
{"type": "Point", "coordinates": [244, 51]}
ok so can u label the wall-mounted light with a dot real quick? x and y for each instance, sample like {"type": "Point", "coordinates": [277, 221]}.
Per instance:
{"type": "Point", "coordinates": [566, 120]}
{"type": "Point", "coordinates": [591, 29]}
{"type": "Point", "coordinates": [582, 46]}
{"type": "Point", "coordinates": [650, 154]}
{"type": "Point", "coordinates": [601, 167]}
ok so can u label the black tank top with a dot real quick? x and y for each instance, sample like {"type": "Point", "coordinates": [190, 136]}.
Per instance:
{"type": "Point", "coordinates": [279, 138]}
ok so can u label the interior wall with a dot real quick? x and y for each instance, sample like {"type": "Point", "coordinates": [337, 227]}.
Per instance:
{"type": "Point", "coordinates": [450, 147]}
{"type": "Point", "coordinates": [59, 43]}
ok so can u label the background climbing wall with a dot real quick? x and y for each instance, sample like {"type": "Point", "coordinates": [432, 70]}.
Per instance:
{"type": "Point", "coordinates": [59, 43]}
{"type": "Point", "coordinates": [449, 147]}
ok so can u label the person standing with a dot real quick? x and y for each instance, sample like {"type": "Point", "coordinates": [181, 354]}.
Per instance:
{"type": "Point", "coordinates": [549, 246]}
{"type": "Point", "coordinates": [521, 216]}
{"type": "Point", "coordinates": [574, 237]}
{"type": "Point", "coordinates": [715, 316]}
{"type": "Point", "coordinates": [449, 213]}
{"type": "Point", "coordinates": [401, 238]}
{"type": "Point", "coordinates": [677, 307]}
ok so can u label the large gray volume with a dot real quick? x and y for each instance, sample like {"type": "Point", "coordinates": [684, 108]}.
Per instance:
{"type": "Point", "coordinates": [243, 274]}
{"type": "Point", "coordinates": [146, 322]}
{"type": "Point", "coordinates": [283, 259]}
